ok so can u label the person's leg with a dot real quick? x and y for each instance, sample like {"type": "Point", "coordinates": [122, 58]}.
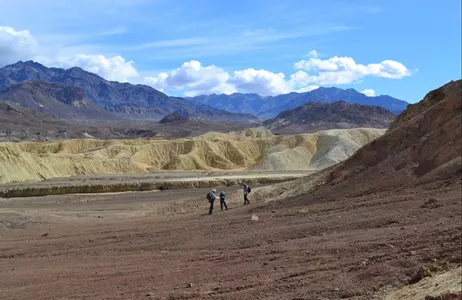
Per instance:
{"type": "Point", "coordinates": [211, 207]}
{"type": "Point", "coordinates": [221, 203]}
{"type": "Point", "coordinates": [226, 205]}
{"type": "Point", "coordinates": [246, 200]}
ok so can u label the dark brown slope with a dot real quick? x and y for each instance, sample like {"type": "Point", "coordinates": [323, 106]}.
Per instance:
{"type": "Point", "coordinates": [19, 123]}
{"type": "Point", "coordinates": [314, 116]}
{"type": "Point", "coordinates": [55, 99]}
{"type": "Point", "coordinates": [422, 147]}
{"type": "Point", "coordinates": [24, 124]}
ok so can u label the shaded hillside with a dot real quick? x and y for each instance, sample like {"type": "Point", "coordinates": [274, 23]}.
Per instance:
{"type": "Point", "coordinates": [124, 99]}
{"type": "Point", "coordinates": [248, 149]}
{"type": "Point", "coordinates": [424, 143]}
{"type": "Point", "coordinates": [421, 147]}
{"type": "Point", "coordinates": [313, 117]}
{"type": "Point", "coordinates": [271, 106]}
{"type": "Point", "coordinates": [54, 99]}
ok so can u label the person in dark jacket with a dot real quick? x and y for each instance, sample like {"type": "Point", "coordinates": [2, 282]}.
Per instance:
{"type": "Point", "coordinates": [211, 197]}
{"type": "Point", "coordinates": [246, 193]}
{"type": "Point", "coordinates": [223, 200]}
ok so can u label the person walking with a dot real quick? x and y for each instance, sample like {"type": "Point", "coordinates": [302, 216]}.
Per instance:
{"type": "Point", "coordinates": [223, 200]}
{"type": "Point", "coordinates": [246, 193]}
{"type": "Point", "coordinates": [211, 197]}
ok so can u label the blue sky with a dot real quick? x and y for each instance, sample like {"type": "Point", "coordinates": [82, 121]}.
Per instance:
{"type": "Point", "coordinates": [183, 47]}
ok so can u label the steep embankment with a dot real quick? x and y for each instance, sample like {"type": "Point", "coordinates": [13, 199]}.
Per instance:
{"type": "Point", "coordinates": [249, 149]}
{"type": "Point", "coordinates": [421, 147]}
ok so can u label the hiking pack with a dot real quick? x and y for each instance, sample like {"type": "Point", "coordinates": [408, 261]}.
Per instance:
{"type": "Point", "coordinates": [209, 196]}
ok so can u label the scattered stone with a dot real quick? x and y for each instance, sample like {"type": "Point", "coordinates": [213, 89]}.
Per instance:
{"type": "Point", "coordinates": [421, 274]}
{"type": "Point", "coordinates": [189, 285]}
{"type": "Point", "coordinates": [273, 211]}
{"type": "Point", "coordinates": [254, 218]}
{"type": "Point", "coordinates": [46, 234]}
{"type": "Point", "coordinates": [431, 203]}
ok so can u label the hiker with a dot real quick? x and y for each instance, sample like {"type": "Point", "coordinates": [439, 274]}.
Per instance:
{"type": "Point", "coordinates": [247, 190]}
{"type": "Point", "coordinates": [223, 200]}
{"type": "Point", "coordinates": [211, 197]}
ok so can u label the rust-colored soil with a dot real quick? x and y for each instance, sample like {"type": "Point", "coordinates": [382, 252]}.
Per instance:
{"type": "Point", "coordinates": [162, 246]}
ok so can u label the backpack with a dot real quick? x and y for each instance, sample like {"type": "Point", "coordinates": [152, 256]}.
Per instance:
{"type": "Point", "coordinates": [249, 189]}
{"type": "Point", "coordinates": [209, 197]}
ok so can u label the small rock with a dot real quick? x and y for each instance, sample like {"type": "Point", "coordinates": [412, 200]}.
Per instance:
{"type": "Point", "coordinates": [273, 211]}
{"type": "Point", "coordinates": [254, 218]}
{"type": "Point", "coordinates": [412, 253]}
{"type": "Point", "coordinates": [46, 234]}
{"type": "Point", "coordinates": [148, 294]}
{"type": "Point", "coordinates": [189, 285]}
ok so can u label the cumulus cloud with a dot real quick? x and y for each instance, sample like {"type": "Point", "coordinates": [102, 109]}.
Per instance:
{"type": "Point", "coordinates": [15, 45]}
{"type": "Point", "coordinates": [193, 79]}
{"type": "Point", "coordinates": [21, 45]}
{"type": "Point", "coordinates": [261, 82]}
{"type": "Point", "coordinates": [344, 70]}
{"type": "Point", "coordinates": [369, 92]}
{"type": "Point", "coordinates": [111, 68]}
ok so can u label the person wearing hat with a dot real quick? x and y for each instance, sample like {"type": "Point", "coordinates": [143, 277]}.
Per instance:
{"type": "Point", "coordinates": [211, 197]}
{"type": "Point", "coordinates": [223, 200]}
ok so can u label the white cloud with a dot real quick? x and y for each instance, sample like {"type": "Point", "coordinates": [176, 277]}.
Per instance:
{"type": "Point", "coordinates": [369, 92]}
{"type": "Point", "coordinates": [21, 45]}
{"type": "Point", "coordinates": [344, 70]}
{"type": "Point", "coordinates": [261, 82]}
{"type": "Point", "coordinates": [111, 68]}
{"type": "Point", "coordinates": [307, 89]}
{"type": "Point", "coordinates": [15, 45]}
{"type": "Point", "coordinates": [193, 79]}
{"type": "Point", "coordinates": [313, 53]}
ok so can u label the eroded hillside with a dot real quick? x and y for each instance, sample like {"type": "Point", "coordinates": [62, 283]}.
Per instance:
{"type": "Point", "coordinates": [254, 148]}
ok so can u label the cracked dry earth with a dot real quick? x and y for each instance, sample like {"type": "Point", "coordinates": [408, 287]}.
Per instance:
{"type": "Point", "coordinates": [162, 245]}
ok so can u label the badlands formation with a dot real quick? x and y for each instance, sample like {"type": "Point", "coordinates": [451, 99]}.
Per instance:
{"type": "Point", "coordinates": [251, 149]}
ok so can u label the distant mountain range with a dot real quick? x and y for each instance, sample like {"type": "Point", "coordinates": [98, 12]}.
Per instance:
{"type": "Point", "coordinates": [125, 100]}
{"type": "Point", "coordinates": [271, 106]}
{"type": "Point", "coordinates": [78, 95]}
{"type": "Point", "coordinates": [314, 116]}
